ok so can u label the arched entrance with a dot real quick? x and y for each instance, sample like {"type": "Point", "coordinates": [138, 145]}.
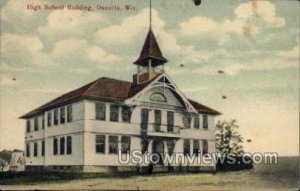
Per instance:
{"type": "Point", "coordinates": [158, 147]}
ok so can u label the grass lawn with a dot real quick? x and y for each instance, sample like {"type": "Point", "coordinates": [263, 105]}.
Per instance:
{"type": "Point", "coordinates": [263, 177]}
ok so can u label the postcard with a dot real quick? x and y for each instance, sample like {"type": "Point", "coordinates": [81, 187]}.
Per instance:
{"type": "Point", "coordinates": [149, 95]}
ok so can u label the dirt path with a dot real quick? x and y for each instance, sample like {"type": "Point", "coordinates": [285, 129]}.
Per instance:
{"type": "Point", "coordinates": [245, 180]}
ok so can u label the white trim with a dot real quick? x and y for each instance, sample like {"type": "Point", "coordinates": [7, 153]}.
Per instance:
{"type": "Point", "coordinates": [135, 100]}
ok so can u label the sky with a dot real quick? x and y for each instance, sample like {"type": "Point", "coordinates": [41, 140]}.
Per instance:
{"type": "Point", "coordinates": [45, 54]}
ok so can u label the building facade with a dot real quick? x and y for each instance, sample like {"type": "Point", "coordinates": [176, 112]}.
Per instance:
{"type": "Point", "coordinates": [90, 128]}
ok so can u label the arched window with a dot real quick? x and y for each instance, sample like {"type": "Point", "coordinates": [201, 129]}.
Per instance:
{"type": "Point", "coordinates": [158, 97]}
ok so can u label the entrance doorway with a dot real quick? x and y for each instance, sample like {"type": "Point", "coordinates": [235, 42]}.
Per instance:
{"type": "Point", "coordinates": [158, 148]}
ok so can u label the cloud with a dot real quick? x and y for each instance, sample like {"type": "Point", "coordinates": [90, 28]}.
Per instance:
{"type": "Point", "coordinates": [66, 48]}
{"type": "Point", "coordinates": [79, 71]}
{"type": "Point", "coordinates": [16, 10]}
{"type": "Point", "coordinates": [30, 43]}
{"type": "Point", "coordinates": [248, 22]}
{"type": "Point", "coordinates": [264, 10]}
{"type": "Point", "coordinates": [259, 64]}
{"type": "Point", "coordinates": [97, 55]}
{"type": "Point", "coordinates": [130, 27]}
{"type": "Point", "coordinates": [67, 23]}
{"type": "Point", "coordinates": [4, 67]}
{"type": "Point", "coordinates": [25, 49]}
{"type": "Point", "coordinates": [234, 69]}
{"type": "Point", "coordinates": [136, 26]}
{"type": "Point", "coordinates": [79, 50]}
{"type": "Point", "coordinates": [294, 53]}
{"type": "Point", "coordinates": [202, 25]}
{"type": "Point", "coordinates": [29, 49]}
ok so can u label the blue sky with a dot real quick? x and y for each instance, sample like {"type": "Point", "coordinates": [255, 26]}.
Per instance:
{"type": "Point", "coordinates": [256, 44]}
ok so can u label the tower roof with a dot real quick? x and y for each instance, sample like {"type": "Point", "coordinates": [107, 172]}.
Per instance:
{"type": "Point", "coordinates": [151, 51]}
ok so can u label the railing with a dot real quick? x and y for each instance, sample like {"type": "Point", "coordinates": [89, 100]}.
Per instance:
{"type": "Point", "coordinates": [161, 105]}
{"type": "Point", "coordinates": [161, 128]}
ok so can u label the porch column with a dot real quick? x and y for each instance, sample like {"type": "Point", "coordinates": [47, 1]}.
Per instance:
{"type": "Point", "coordinates": [165, 147]}
{"type": "Point", "coordinates": [150, 146]}
{"type": "Point", "coordinates": [106, 144]}
{"type": "Point", "coordinates": [120, 114]}
{"type": "Point", "coordinates": [107, 112]}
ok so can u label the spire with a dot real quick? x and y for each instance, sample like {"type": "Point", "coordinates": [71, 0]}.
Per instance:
{"type": "Point", "coordinates": [150, 14]}
{"type": "Point", "coordinates": [151, 51]}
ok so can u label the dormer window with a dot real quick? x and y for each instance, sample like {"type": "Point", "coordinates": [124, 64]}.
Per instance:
{"type": "Point", "coordinates": [159, 97]}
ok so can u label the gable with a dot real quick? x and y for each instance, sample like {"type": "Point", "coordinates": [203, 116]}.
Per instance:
{"type": "Point", "coordinates": [164, 85]}
{"type": "Point", "coordinates": [161, 96]}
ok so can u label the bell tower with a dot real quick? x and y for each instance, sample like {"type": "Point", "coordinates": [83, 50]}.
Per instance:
{"type": "Point", "coordinates": [151, 61]}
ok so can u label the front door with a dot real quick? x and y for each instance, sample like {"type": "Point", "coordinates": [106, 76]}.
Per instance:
{"type": "Point", "coordinates": [158, 147]}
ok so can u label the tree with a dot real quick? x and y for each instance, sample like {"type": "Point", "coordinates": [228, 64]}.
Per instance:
{"type": "Point", "coordinates": [3, 164]}
{"type": "Point", "coordinates": [228, 139]}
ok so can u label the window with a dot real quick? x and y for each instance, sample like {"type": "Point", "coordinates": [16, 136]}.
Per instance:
{"type": "Point", "coordinates": [43, 122]}
{"type": "Point", "coordinates": [36, 124]}
{"type": "Point", "coordinates": [159, 97]}
{"type": "Point", "coordinates": [186, 147]}
{"type": "Point", "coordinates": [205, 122]}
{"type": "Point", "coordinates": [145, 114]}
{"type": "Point", "coordinates": [62, 145]}
{"type": "Point", "coordinates": [126, 114]}
{"type": "Point", "coordinates": [28, 126]}
{"type": "Point", "coordinates": [187, 118]}
{"type": "Point", "coordinates": [62, 115]}
{"type": "Point", "coordinates": [100, 111]}
{"type": "Point", "coordinates": [114, 113]}
{"type": "Point", "coordinates": [69, 113]}
{"type": "Point", "coordinates": [170, 121]}
{"type": "Point", "coordinates": [144, 120]}
{"type": "Point", "coordinates": [100, 143]}
{"type": "Point", "coordinates": [204, 147]}
{"type": "Point", "coordinates": [55, 146]}
{"type": "Point", "coordinates": [196, 121]}
{"type": "Point", "coordinates": [125, 144]}
{"type": "Point", "coordinates": [43, 148]}
{"type": "Point", "coordinates": [56, 117]}
{"type": "Point", "coordinates": [196, 147]}
{"type": "Point", "coordinates": [157, 119]}
{"type": "Point", "coordinates": [69, 145]}
{"type": "Point", "coordinates": [35, 149]}
{"type": "Point", "coordinates": [113, 144]}
{"type": "Point", "coordinates": [49, 120]}
{"type": "Point", "coordinates": [27, 150]}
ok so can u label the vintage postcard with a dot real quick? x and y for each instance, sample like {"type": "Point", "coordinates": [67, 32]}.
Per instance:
{"type": "Point", "coordinates": [149, 95]}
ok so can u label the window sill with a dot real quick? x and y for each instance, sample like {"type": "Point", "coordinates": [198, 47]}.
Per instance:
{"type": "Point", "coordinates": [100, 119]}
{"type": "Point", "coordinates": [100, 153]}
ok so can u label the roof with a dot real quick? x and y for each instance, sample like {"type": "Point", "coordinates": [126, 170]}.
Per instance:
{"type": "Point", "coordinates": [151, 51]}
{"type": "Point", "coordinates": [203, 109]}
{"type": "Point", "coordinates": [104, 89]}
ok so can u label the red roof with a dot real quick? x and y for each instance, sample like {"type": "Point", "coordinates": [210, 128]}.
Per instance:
{"type": "Point", "coordinates": [104, 89]}
{"type": "Point", "coordinates": [203, 109]}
